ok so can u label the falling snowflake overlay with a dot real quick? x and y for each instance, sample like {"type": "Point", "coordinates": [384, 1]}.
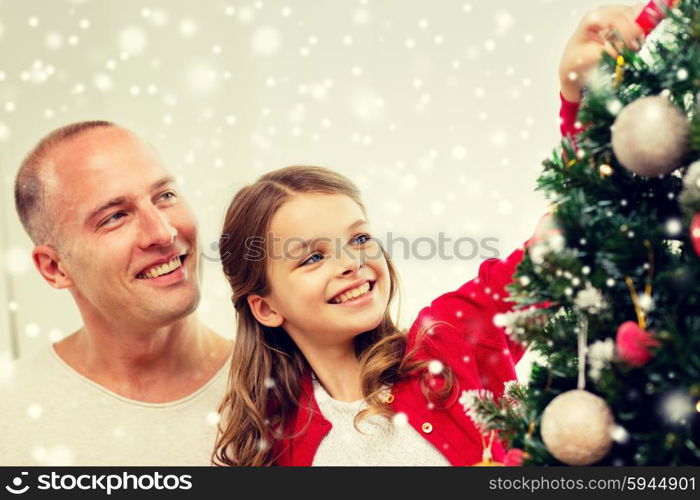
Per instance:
{"type": "Point", "coordinates": [428, 111]}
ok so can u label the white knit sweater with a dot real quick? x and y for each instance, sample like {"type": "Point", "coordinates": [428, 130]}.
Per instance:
{"type": "Point", "coordinates": [381, 442]}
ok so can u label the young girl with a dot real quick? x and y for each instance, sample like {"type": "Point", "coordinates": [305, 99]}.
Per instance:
{"type": "Point", "coordinates": [320, 374]}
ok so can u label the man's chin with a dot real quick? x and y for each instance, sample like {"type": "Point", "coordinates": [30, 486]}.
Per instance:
{"type": "Point", "coordinates": [175, 309]}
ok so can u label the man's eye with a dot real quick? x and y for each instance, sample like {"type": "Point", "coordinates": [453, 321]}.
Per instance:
{"type": "Point", "coordinates": [113, 218]}
{"type": "Point", "coordinates": [315, 257]}
{"type": "Point", "coordinates": [168, 195]}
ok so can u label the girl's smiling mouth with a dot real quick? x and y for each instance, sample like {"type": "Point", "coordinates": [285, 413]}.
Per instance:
{"type": "Point", "coordinates": [353, 293]}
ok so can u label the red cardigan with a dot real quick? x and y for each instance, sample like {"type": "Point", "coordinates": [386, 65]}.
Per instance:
{"type": "Point", "coordinates": [464, 337]}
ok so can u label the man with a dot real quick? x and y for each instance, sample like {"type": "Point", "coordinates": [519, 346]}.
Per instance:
{"type": "Point", "coordinates": [139, 383]}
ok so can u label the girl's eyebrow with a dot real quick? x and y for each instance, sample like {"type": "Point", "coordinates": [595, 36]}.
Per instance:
{"type": "Point", "coordinates": [357, 223]}
{"type": "Point", "coordinates": [303, 245]}
{"type": "Point", "coordinates": [300, 247]}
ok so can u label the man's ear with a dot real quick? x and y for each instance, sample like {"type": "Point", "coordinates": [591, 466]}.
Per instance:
{"type": "Point", "coordinates": [48, 263]}
{"type": "Point", "coordinates": [264, 311]}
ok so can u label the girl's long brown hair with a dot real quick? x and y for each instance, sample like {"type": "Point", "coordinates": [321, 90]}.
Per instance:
{"type": "Point", "coordinates": [267, 367]}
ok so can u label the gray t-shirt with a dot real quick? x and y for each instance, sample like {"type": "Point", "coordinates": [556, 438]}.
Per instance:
{"type": "Point", "coordinates": [52, 415]}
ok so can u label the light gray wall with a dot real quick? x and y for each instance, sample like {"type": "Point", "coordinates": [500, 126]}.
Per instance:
{"type": "Point", "coordinates": [440, 110]}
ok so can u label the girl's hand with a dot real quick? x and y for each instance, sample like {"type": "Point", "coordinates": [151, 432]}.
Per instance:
{"type": "Point", "coordinates": [546, 229]}
{"type": "Point", "coordinates": [608, 29]}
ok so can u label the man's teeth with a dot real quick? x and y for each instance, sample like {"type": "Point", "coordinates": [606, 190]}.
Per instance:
{"type": "Point", "coordinates": [351, 294]}
{"type": "Point", "coordinates": [166, 268]}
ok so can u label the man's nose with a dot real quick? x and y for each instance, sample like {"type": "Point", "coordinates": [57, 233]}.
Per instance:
{"type": "Point", "coordinates": [156, 228]}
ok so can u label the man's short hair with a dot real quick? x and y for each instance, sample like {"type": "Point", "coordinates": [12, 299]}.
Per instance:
{"type": "Point", "coordinates": [30, 186]}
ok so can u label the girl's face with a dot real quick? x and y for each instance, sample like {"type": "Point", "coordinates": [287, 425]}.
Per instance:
{"type": "Point", "coordinates": [328, 277]}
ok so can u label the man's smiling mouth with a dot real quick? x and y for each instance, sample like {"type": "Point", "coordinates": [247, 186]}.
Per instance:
{"type": "Point", "coordinates": [162, 269]}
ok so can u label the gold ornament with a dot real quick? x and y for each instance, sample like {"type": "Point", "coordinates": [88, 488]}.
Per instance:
{"type": "Point", "coordinates": [638, 309]}
{"type": "Point", "coordinates": [619, 71]}
{"type": "Point", "coordinates": [486, 456]}
{"type": "Point", "coordinates": [605, 170]}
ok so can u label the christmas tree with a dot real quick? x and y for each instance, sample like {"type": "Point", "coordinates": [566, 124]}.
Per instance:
{"type": "Point", "coordinates": [612, 302]}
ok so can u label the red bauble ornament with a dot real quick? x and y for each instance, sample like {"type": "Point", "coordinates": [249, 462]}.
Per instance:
{"type": "Point", "coordinates": [633, 344]}
{"type": "Point", "coordinates": [695, 233]}
{"type": "Point", "coordinates": [514, 457]}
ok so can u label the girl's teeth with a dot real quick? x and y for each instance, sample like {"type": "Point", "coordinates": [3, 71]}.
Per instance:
{"type": "Point", "coordinates": [351, 294]}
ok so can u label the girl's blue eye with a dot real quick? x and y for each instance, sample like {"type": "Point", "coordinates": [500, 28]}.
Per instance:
{"type": "Point", "coordinates": [361, 239]}
{"type": "Point", "coordinates": [315, 257]}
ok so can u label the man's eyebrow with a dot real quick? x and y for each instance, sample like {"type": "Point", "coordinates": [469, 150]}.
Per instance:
{"type": "Point", "coordinates": [106, 206]}
{"type": "Point", "coordinates": [120, 200]}
{"type": "Point", "coordinates": [162, 182]}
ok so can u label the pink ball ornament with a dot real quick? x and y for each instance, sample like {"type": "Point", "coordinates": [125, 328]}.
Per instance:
{"type": "Point", "coordinates": [514, 457]}
{"type": "Point", "coordinates": [633, 344]}
{"type": "Point", "coordinates": [650, 136]}
{"type": "Point", "coordinates": [576, 427]}
{"type": "Point", "coordinates": [695, 233]}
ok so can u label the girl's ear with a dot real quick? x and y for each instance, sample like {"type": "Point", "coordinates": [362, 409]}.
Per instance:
{"type": "Point", "coordinates": [264, 311]}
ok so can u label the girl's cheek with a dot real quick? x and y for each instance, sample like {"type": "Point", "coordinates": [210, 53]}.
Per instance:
{"type": "Point", "coordinates": [376, 255]}
{"type": "Point", "coordinates": [311, 284]}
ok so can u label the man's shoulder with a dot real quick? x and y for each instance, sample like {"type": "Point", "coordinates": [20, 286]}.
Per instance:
{"type": "Point", "coordinates": [29, 382]}
{"type": "Point", "coordinates": [25, 385]}
{"type": "Point", "coordinates": [32, 368]}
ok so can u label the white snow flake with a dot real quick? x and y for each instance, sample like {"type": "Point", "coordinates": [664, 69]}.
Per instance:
{"type": "Point", "coordinates": [188, 28]}
{"type": "Point", "coordinates": [132, 40]}
{"type": "Point", "coordinates": [435, 367]}
{"type": "Point", "coordinates": [266, 41]}
{"type": "Point", "coordinates": [34, 411]}
{"type": "Point", "coordinates": [213, 418]}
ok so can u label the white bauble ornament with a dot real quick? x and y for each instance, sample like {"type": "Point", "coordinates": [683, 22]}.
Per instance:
{"type": "Point", "coordinates": [576, 427]}
{"type": "Point", "coordinates": [689, 198]}
{"type": "Point", "coordinates": [650, 136]}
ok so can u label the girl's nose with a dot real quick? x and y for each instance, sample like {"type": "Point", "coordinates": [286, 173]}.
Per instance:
{"type": "Point", "coordinates": [353, 264]}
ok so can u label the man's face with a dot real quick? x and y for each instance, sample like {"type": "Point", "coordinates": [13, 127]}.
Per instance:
{"type": "Point", "coordinates": [128, 241]}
